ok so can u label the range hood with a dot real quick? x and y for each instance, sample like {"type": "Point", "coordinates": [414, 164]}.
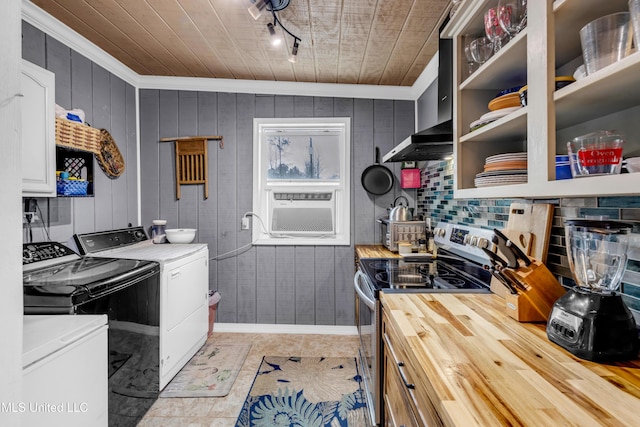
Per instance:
{"type": "Point", "coordinates": [436, 142]}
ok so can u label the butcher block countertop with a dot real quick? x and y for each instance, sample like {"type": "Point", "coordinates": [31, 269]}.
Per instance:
{"type": "Point", "coordinates": [374, 251]}
{"type": "Point", "coordinates": [483, 368]}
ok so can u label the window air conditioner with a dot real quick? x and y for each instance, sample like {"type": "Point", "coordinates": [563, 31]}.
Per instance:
{"type": "Point", "coordinates": [302, 213]}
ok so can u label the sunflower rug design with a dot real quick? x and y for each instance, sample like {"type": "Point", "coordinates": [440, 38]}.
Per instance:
{"type": "Point", "coordinates": [305, 392]}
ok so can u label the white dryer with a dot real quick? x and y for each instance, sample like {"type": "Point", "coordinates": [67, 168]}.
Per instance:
{"type": "Point", "coordinates": [184, 287]}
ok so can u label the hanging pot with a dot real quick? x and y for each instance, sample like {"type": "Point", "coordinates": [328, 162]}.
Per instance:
{"type": "Point", "coordinates": [377, 179]}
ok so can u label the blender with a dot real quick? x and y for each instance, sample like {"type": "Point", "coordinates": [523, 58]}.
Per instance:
{"type": "Point", "coordinates": [591, 320]}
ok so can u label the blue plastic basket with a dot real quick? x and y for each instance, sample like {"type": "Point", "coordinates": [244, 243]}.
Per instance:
{"type": "Point", "coordinates": [72, 187]}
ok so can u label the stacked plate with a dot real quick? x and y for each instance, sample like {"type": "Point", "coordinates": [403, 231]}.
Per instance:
{"type": "Point", "coordinates": [505, 102]}
{"type": "Point", "coordinates": [492, 116]}
{"type": "Point", "coordinates": [503, 169]}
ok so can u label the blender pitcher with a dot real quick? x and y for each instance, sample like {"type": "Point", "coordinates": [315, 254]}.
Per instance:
{"type": "Point", "coordinates": [597, 253]}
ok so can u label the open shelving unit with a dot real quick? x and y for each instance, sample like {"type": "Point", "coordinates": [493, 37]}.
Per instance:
{"type": "Point", "coordinates": [549, 46]}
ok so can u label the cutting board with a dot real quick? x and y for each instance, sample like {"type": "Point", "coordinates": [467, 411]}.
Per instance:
{"type": "Point", "coordinates": [536, 219]}
{"type": "Point", "coordinates": [529, 226]}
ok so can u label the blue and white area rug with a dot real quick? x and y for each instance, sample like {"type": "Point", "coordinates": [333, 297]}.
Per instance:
{"type": "Point", "coordinates": [305, 392]}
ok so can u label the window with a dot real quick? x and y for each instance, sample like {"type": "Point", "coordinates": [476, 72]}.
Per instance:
{"type": "Point", "coordinates": [301, 181]}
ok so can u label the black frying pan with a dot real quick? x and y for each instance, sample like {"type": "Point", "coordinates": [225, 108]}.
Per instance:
{"type": "Point", "coordinates": [377, 179]}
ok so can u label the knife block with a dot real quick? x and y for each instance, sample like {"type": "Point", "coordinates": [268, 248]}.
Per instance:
{"type": "Point", "coordinates": [541, 291]}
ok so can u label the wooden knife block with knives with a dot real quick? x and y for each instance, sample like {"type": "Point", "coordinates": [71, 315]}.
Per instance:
{"type": "Point", "coordinates": [534, 300]}
{"type": "Point", "coordinates": [536, 288]}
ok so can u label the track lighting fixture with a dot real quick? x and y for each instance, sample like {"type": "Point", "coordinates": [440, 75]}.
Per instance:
{"type": "Point", "coordinates": [274, 6]}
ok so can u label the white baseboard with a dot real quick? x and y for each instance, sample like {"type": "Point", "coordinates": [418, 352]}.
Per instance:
{"type": "Point", "coordinates": [284, 329]}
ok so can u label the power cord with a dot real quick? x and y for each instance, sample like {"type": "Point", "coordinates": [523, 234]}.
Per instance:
{"type": "Point", "coordinates": [31, 206]}
{"type": "Point", "coordinates": [44, 226]}
{"type": "Point", "coordinates": [232, 253]}
{"type": "Point", "coordinates": [248, 214]}
{"type": "Point", "coordinates": [281, 236]}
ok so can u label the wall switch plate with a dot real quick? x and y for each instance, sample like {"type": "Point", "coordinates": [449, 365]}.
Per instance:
{"type": "Point", "coordinates": [245, 223]}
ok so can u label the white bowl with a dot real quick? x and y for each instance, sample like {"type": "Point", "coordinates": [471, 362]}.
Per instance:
{"type": "Point", "coordinates": [181, 235]}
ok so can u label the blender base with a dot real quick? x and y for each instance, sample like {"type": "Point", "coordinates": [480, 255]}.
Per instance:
{"type": "Point", "coordinates": [593, 326]}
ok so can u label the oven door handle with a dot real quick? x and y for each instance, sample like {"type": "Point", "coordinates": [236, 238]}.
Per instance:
{"type": "Point", "coordinates": [356, 284]}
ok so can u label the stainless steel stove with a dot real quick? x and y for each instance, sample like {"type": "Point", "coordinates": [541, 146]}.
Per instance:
{"type": "Point", "coordinates": [457, 267]}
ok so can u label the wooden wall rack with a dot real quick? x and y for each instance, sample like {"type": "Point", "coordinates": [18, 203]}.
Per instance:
{"type": "Point", "coordinates": [192, 161]}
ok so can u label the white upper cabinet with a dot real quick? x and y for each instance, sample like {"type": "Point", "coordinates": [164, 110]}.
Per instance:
{"type": "Point", "coordinates": [548, 47]}
{"type": "Point", "coordinates": [38, 131]}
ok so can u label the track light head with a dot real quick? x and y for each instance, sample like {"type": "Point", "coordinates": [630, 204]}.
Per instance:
{"type": "Point", "coordinates": [293, 58]}
{"type": "Point", "coordinates": [275, 37]}
{"type": "Point", "coordinates": [256, 8]}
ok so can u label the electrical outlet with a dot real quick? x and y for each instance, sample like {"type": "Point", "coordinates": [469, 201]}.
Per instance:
{"type": "Point", "coordinates": [30, 217]}
{"type": "Point", "coordinates": [245, 223]}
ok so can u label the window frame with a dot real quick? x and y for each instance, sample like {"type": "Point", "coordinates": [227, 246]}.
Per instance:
{"type": "Point", "coordinates": [263, 187]}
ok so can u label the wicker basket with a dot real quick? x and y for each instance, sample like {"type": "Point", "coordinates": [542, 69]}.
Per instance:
{"type": "Point", "coordinates": [108, 156]}
{"type": "Point", "coordinates": [77, 136]}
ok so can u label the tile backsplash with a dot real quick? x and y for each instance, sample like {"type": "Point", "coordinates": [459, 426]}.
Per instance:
{"type": "Point", "coordinates": [435, 200]}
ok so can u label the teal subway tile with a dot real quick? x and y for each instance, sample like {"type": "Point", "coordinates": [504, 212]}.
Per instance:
{"type": "Point", "coordinates": [619, 202]}
{"type": "Point", "coordinates": [631, 289]}
{"type": "Point", "coordinates": [496, 224]}
{"type": "Point", "coordinates": [631, 302]}
{"type": "Point", "coordinates": [605, 213]}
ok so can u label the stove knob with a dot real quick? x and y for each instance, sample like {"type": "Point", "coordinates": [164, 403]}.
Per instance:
{"type": "Point", "coordinates": [138, 235]}
{"type": "Point", "coordinates": [473, 241]}
{"type": "Point", "coordinates": [466, 240]}
{"type": "Point", "coordinates": [482, 243]}
{"type": "Point", "coordinates": [439, 232]}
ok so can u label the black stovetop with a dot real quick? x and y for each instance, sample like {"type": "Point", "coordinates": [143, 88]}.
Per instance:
{"type": "Point", "coordinates": [445, 273]}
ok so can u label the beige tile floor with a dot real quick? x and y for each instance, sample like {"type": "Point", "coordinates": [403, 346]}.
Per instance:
{"type": "Point", "coordinates": [223, 411]}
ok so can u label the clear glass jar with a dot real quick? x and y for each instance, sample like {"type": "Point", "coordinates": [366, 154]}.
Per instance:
{"type": "Point", "coordinates": [158, 231]}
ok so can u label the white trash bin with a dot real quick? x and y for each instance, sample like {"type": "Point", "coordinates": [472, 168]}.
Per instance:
{"type": "Point", "coordinates": [214, 299]}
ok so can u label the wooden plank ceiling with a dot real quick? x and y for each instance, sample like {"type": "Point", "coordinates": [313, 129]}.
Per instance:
{"type": "Point", "coordinates": [376, 42]}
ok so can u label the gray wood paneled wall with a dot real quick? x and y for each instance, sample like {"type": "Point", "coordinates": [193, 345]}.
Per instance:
{"type": "Point", "coordinates": [270, 285]}
{"type": "Point", "coordinates": [266, 284]}
{"type": "Point", "coordinates": [108, 103]}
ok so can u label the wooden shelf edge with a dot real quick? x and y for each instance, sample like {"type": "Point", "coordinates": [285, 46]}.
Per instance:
{"type": "Point", "coordinates": [597, 186]}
